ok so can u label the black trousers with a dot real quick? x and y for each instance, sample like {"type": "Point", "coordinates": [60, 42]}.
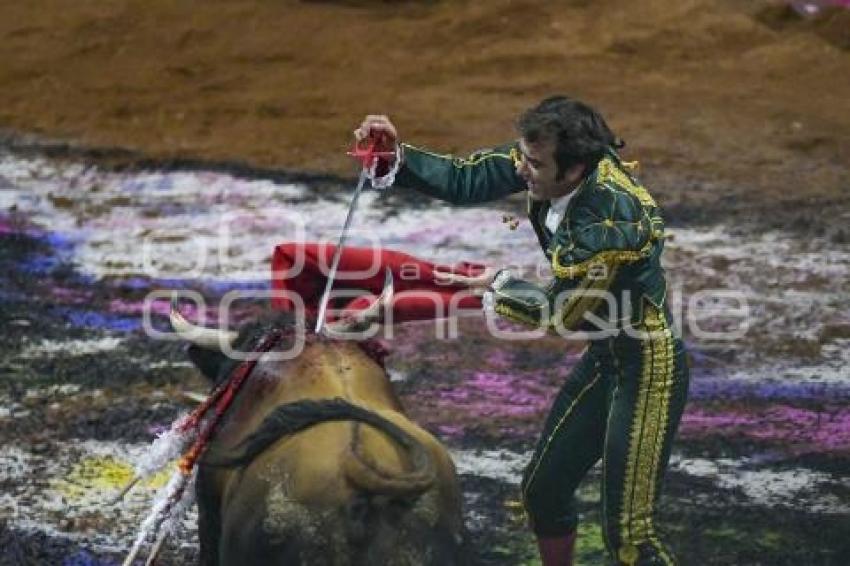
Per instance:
{"type": "Point", "coordinates": [622, 403]}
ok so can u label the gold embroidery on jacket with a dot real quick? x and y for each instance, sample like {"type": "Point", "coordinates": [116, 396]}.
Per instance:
{"type": "Point", "coordinates": [459, 162]}
{"type": "Point", "coordinates": [515, 314]}
{"type": "Point", "coordinates": [631, 166]}
{"type": "Point", "coordinates": [516, 156]}
{"type": "Point", "coordinates": [573, 270]}
{"type": "Point", "coordinates": [608, 172]}
{"type": "Point", "coordinates": [585, 298]}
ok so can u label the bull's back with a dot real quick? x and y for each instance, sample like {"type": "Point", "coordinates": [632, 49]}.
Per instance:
{"type": "Point", "coordinates": [322, 371]}
{"type": "Point", "coordinates": [295, 505]}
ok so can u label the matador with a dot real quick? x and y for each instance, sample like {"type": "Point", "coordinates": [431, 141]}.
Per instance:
{"type": "Point", "coordinates": [602, 234]}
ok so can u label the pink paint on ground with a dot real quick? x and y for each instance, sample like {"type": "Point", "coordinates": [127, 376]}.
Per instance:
{"type": "Point", "coordinates": [450, 431]}
{"type": "Point", "coordinates": [825, 430]}
{"type": "Point", "coordinates": [828, 430]}
{"type": "Point", "coordinates": [162, 307]}
{"type": "Point", "coordinates": [701, 421]}
{"type": "Point", "coordinates": [498, 394]}
{"type": "Point", "coordinates": [208, 316]}
{"type": "Point", "coordinates": [72, 296]}
{"type": "Point", "coordinates": [18, 226]}
{"type": "Point", "coordinates": [499, 359]}
{"type": "Point", "coordinates": [409, 338]}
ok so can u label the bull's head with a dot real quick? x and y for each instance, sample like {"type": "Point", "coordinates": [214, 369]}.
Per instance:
{"type": "Point", "coordinates": [218, 340]}
{"type": "Point", "coordinates": [207, 345]}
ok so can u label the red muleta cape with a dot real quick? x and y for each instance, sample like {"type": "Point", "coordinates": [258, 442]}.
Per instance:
{"type": "Point", "coordinates": [302, 268]}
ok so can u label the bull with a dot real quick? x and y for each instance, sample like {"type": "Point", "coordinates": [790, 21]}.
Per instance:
{"type": "Point", "coordinates": [316, 463]}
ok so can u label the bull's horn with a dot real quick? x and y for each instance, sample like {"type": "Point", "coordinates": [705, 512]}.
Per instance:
{"type": "Point", "coordinates": [209, 338]}
{"type": "Point", "coordinates": [373, 312]}
{"type": "Point", "coordinates": [389, 290]}
{"type": "Point", "coordinates": [361, 320]}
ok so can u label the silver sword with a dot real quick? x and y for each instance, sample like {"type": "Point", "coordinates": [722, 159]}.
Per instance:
{"type": "Point", "coordinates": [323, 305]}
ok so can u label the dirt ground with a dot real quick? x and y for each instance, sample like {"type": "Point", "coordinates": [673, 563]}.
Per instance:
{"type": "Point", "coordinates": [727, 104]}
{"type": "Point", "coordinates": [759, 470]}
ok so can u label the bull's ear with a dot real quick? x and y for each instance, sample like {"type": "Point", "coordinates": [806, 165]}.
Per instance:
{"type": "Point", "coordinates": [209, 362]}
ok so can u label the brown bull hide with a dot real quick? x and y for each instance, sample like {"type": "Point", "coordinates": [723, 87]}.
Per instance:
{"type": "Point", "coordinates": [337, 492]}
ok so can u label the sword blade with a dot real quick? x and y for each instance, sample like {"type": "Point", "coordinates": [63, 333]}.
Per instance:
{"type": "Point", "coordinates": [323, 305]}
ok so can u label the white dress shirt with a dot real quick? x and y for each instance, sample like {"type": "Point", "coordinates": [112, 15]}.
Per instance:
{"type": "Point", "coordinates": [556, 212]}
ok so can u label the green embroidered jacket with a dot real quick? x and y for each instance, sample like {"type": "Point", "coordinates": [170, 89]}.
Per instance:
{"type": "Point", "coordinates": [605, 254]}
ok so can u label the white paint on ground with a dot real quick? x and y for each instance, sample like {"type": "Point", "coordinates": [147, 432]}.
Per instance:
{"type": "Point", "coordinates": [14, 463]}
{"type": "Point", "coordinates": [830, 368]}
{"type": "Point", "coordinates": [502, 465]}
{"type": "Point", "coordinates": [396, 375]}
{"type": "Point", "coordinates": [70, 347]}
{"type": "Point", "coordinates": [9, 410]}
{"type": "Point", "coordinates": [169, 364]}
{"type": "Point", "coordinates": [793, 289]}
{"type": "Point", "coordinates": [213, 226]}
{"type": "Point", "coordinates": [795, 488]}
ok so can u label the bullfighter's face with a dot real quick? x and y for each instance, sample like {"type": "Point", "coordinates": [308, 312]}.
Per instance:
{"type": "Point", "coordinates": [539, 170]}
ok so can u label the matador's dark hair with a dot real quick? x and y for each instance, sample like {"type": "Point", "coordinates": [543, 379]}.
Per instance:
{"type": "Point", "coordinates": [580, 133]}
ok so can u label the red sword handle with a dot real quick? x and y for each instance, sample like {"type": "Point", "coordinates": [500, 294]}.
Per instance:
{"type": "Point", "coordinates": [367, 153]}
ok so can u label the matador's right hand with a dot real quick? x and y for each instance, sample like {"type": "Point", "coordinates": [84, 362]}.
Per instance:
{"type": "Point", "coordinates": [379, 128]}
